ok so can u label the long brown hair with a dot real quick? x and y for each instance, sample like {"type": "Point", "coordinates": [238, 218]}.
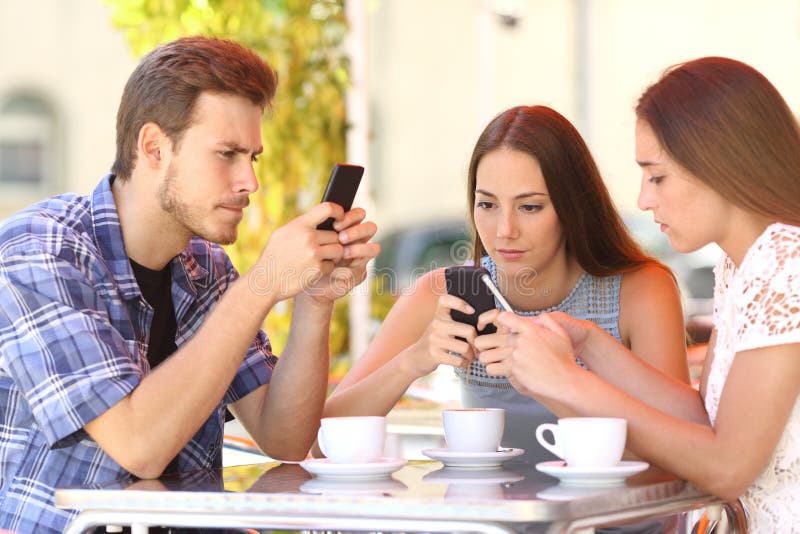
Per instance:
{"type": "Point", "coordinates": [726, 124]}
{"type": "Point", "coordinates": [166, 84]}
{"type": "Point", "coordinates": [594, 231]}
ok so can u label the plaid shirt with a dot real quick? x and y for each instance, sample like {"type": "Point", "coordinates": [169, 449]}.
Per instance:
{"type": "Point", "coordinates": [73, 342]}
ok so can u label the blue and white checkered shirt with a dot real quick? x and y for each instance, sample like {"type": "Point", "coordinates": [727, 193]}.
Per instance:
{"type": "Point", "coordinates": [74, 330]}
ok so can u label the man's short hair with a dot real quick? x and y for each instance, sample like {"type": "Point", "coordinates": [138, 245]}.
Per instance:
{"type": "Point", "coordinates": [166, 84]}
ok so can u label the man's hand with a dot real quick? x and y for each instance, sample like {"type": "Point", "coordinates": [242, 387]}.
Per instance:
{"type": "Point", "coordinates": [353, 235]}
{"type": "Point", "coordinates": [298, 255]}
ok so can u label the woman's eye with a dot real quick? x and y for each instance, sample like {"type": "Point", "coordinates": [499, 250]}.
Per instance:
{"type": "Point", "coordinates": [531, 208]}
{"type": "Point", "coordinates": [484, 204]}
{"type": "Point", "coordinates": [227, 154]}
{"type": "Point", "coordinates": [655, 179]}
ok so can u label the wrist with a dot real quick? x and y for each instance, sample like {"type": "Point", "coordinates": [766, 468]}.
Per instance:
{"type": "Point", "coordinates": [261, 291]}
{"type": "Point", "coordinates": [320, 307]}
{"type": "Point", "coordinates": [408, 360]}
{"type": "Point", "coordinates": [247, 292]}
{"type": "Point", "coordinates": [593, 336]}
{"type": "Point", "coordinates": [572, 389]}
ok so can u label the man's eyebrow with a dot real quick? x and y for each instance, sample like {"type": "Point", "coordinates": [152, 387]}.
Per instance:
{"type": "Point", "coordinates": [521, 195]}
{"type": "Point", "coordinates": [234, 147]}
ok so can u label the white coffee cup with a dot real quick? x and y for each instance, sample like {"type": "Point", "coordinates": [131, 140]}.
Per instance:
{"type": "Point", "coordinates": [473, 429]}
{"type": "Point", "coordinates": [586, 441]}
{"type": "Point", "coordinates": [356, 439]}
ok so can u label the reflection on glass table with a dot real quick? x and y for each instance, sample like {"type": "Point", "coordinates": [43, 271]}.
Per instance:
{"type": "Point", "coordinates": [420, 496]}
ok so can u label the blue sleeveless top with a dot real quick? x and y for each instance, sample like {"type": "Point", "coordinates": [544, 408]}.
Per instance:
{"type": "Point", "coordinates": [592, 298]}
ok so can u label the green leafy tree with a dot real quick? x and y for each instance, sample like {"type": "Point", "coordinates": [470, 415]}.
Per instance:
{"type": "Point", "coordinates": [304, 132]}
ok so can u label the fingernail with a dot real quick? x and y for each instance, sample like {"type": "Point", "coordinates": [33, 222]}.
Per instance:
{"type": "Point", "coordinates": [470, 309]}
{"type": "Point", "coordinates": [342, 235]}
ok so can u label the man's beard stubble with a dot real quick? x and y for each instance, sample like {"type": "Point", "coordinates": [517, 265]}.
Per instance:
{"type": "Point", "coordinates": [171, 201]}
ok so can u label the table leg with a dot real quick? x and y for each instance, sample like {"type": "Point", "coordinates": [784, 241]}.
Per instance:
{"type": "Point", "coordinates": [88, 519]}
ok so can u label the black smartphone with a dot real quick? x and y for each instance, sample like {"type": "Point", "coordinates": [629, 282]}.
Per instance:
{"type": "Point", "coordinates": [341, 189]}
{"type": "Point", "coordinates": [465, 283]}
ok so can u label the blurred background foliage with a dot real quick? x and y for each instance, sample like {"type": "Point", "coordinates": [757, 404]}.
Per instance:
{"type": "Point", "coordinates": [303, 133]}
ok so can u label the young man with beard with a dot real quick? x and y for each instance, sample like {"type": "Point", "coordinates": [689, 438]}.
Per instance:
{"type": "Point", "coordinates": [125, 332]}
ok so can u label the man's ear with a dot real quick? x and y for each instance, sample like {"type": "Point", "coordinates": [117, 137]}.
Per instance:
{"type": "Point", "coordinates": [152, 140]}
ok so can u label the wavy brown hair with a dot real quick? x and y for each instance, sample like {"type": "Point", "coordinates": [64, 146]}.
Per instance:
{"type": "Point", "coordinates": [726, 124]}
{"type": "Point", "coordinates": [166, 84]}
{"type": "Point", "coordinates": [594, 231]}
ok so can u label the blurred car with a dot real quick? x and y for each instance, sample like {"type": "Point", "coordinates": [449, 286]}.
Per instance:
{"type": "Point", "coordinates": [410, 252]}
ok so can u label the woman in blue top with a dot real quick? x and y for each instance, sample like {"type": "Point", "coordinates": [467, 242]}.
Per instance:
{"type": "Point", "coordinates": [546, 229]}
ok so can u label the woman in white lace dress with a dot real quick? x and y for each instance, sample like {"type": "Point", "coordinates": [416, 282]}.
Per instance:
{"type": "Point", "coordinates": [720, 155]}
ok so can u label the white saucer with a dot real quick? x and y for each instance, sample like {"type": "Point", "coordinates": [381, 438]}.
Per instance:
{"type": "Point", "coordinates": [324, 468]}
{"type": "Point", "coordinates": [370, 486]}
{"type": "Point", "coordinates": [473, 460]}
{"type": "Point", "coordinates": [591, 476]}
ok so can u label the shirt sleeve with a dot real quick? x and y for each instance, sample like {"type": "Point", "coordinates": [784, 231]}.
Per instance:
{"type": "Point", "coordinates": [768, 299]}
{"type": "Point", "coordinates": [58, 344]}
{"type": "Point", "coordinates": [255, 371]}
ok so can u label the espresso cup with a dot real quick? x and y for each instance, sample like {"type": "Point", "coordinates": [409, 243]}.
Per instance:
{"type": "Point", "coordinates": [585, 442]}
{"type": "Point", "coordinates": [473, 429]}
{"type": "Point", "coordinates": [357, 439]}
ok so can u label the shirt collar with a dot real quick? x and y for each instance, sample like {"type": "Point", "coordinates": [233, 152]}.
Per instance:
{"type": "Point", "coordinates": [108, 236]}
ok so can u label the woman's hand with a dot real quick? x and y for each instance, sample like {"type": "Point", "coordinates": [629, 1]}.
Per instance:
{"type": "Point", "coordinates": [542, 357]}
{"type": "Point", "coordinates": [494, 350]}
{"type": "Point", "coordinates": [577, 330]}
{"type": "Point", "coordinates": [439, 344]}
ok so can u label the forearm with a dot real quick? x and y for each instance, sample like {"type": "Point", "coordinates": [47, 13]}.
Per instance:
{"type": "Point", "coordinates": [691, 450]}
{"type": "Point", "coordinates": [626, 371]}
{"type": "Point", "coordinates": [376, 393]}
{"type": "Point", "coordinates": [292, 407]}
{"type": "Point", "coordinates": [147, 428]}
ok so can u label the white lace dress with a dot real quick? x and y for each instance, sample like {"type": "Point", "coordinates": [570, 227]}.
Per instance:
{"type": "Point", "coordinates": [757, 305]}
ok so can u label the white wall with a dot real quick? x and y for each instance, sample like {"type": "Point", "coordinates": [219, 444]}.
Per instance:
{"type": "Point", "coordinates": [67, 52]}
{"type": "Point", "coordinates": [439, 75]}
{"type": "Point", "coordinates": [634, 40]}
{"type": "Point", "coordinates": [439, 70]}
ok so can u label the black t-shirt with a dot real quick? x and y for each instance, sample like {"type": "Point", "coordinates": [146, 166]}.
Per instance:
{"type": "Point", "coordinates": [156, 288]}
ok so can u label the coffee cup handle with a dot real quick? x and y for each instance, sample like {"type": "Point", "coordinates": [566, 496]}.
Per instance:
{"type": "Point", "coordinates": [552, 447]}
{"type": "Point", "coordinates": [321, 441]}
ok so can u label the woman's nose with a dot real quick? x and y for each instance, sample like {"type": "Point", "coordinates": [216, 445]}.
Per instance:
{"type": "Point", "coordinates": [507, 225]}
{"type": "Point", "coordinates": [644, 201]}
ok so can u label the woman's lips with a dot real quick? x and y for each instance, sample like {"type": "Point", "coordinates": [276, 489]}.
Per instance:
{"type": "Point", "coordinates": [510, 254]}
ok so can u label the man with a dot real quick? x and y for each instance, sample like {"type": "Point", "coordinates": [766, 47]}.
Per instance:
{"type": "Point", "coordinates": [97, 291]}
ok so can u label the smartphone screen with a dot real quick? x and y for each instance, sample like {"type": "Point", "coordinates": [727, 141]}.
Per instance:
{"type": "Point", "coordinates": [465, 283]}
{"type": "Point", "coordinates": [341, 189]}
